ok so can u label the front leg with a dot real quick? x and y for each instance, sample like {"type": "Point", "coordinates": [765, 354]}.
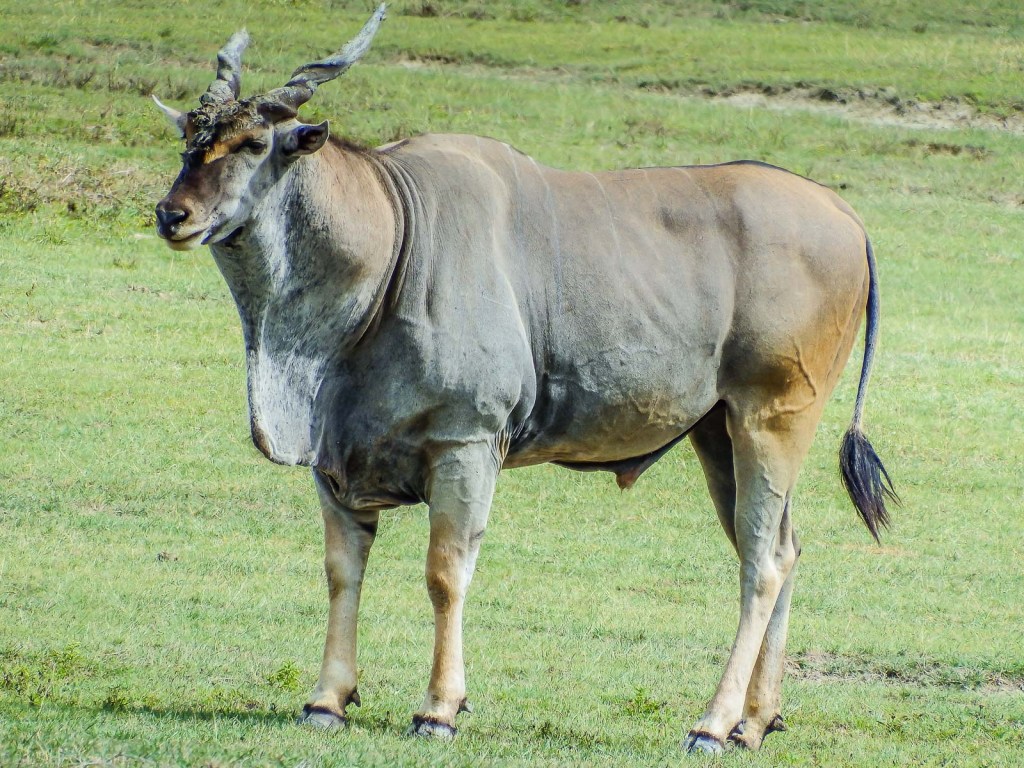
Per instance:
{"type": "Point", "coordinates": [348, 535]}
{"type": "Point", "coordinates": [460, 491]}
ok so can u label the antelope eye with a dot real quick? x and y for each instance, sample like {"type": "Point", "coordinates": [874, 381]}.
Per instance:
{"type": "Point", "coordinates": [255, 146]}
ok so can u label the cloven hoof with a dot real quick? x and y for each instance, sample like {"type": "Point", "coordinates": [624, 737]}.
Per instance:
{"type": "Point", "coordinates": [431, 729]}
{"type": "Point", "coordinates": [321, 719]}
{"type": "Point", "coordinates": [703, 743]}
{"type": "Point", "coordinates": [736, 736]}
{"type": "Point", "coordinates": [777, 725]}
{"type": "Point", "coordinates": [739, 739]}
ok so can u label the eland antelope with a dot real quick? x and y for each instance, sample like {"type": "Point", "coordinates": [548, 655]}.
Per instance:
{"type": "Point", "coordinates": [419, 316]}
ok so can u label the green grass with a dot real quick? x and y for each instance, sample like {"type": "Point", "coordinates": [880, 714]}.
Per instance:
{"type": "Point", "coordinates": [161, 596]}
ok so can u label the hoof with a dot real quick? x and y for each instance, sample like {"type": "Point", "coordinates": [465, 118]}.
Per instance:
{"type": "Point", "coordinates": [698, 743]}
{"type": "Point", "coordinates": [753, 740]}
{"type": "Point", "coordinates": [321, 719]}
{"type": "Point", "coordinates": [737, 738]}
{"type": "Point", "coordinates": [777, 725]}
{"type": "Point", "coordinates": [431, 729]}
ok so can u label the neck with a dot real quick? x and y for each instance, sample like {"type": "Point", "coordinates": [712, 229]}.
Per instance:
{"type": "Point", "coordinates": [309, 276]}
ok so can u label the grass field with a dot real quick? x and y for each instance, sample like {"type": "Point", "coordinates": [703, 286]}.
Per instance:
{"type": "Point", "coordinates": [161, 593]}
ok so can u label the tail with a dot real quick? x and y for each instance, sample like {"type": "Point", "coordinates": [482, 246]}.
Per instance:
{"type": "Point", "coordinates": [865, 478]}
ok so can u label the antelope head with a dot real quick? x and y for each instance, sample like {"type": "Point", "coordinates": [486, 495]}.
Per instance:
{"type": "Point", "coordinates": [236, 149]}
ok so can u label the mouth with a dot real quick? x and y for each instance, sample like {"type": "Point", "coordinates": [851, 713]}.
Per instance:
{"type": "Point", "coordinates": [186, 243]}
{"type": "Point", "coordinates": [217, 236]}
{"type": "Point", "coordinates": [209, 236]}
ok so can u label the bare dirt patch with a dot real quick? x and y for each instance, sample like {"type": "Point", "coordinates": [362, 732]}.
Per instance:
{"type": "Point", "coordinates": [881, 107]}
{"type": "Point", "coordinates": [817, 665]}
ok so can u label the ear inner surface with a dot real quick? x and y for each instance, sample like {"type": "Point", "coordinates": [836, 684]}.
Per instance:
{"type": "Point", "coordinates": [306, 139]}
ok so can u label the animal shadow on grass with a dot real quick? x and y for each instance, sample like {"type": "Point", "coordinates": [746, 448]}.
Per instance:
{"type": "Point", "coordinates": [218, 707]}
{"type": "Point", "coordinates": [250, 712]}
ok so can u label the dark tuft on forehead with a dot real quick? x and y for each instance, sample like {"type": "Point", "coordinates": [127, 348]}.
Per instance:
{"type": "Point", "coordinates": [211, 123]}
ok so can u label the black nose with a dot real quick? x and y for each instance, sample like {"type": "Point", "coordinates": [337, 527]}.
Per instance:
{"type": "Point", "coordinates": [169, 217]}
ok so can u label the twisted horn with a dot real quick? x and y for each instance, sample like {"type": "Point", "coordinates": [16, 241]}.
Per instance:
{"type": "Point", "coordinates": [229, 71]}
{"type": "Point", "coordinates": [305, 79]}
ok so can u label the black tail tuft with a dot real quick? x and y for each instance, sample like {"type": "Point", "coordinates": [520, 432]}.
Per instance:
{"type": "Point", "coordinates": [866, 480]}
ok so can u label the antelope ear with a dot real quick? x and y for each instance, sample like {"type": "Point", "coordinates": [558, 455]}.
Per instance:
{"type": "Point", "coordinates": [176, 118]}
{"type": "Point", "coordinates": [305, 139]}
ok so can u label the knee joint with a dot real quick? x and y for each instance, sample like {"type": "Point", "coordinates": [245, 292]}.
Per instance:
{"type": "Point", "coordinates": [765, 577]}
{"type": "Point", "coordinates": [441, 588]}
{"type": "Point", "coordinates": [786, 556]}
{"type": "Point", "coordinates": [341, 576]}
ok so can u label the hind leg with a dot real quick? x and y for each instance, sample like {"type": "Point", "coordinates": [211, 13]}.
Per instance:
{"type": "Point", "coordinates": [762, 709]}
{"type": "Point", "coordinates": [713, 446]}
{"type": "Point", "coordinates": [762, 706]}
{"type": "Point", "coordinates": [767, 452]}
